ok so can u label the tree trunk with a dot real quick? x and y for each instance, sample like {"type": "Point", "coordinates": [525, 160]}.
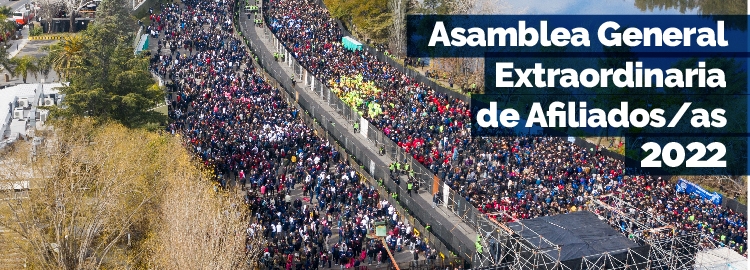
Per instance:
{"type": "Point", "coordinates": [72, 21]}
{"type": "Point", "coordinates": [397, 31]}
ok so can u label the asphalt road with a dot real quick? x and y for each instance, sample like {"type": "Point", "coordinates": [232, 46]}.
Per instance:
{"type": "Point", "coordinates": [14, 4]}
{"type": "Point", "coordinates": [422, 200]}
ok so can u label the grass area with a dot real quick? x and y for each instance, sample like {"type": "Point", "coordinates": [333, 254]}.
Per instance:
{"type": "Point", "coordinates": [161, 109]}
{"type": "Point", "coordinates": [142, 12]}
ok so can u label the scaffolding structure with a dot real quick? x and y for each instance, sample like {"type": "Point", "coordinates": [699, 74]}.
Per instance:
{"type": "Point", "coordinates": [668, 247]}
{"type": "Point", "coordinates": [660, 246]}
{"type": "Point", "coordinates": [508, 249]}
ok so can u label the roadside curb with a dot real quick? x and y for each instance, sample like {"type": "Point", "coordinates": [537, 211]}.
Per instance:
{"type": "Point", "coordinates": [45, 37]}
{"type": "Point", "coordinates": [20, 45]}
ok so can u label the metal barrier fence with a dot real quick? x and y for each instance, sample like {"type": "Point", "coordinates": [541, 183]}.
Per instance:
{"type": "Point", "coordinates": [325, 129]}
{"type": "Point", "coordinates": [458, 243]}
{"type": "Point", "coordinates": [367, 157]}
{"type": "Point", "coordinates": [314, 110]}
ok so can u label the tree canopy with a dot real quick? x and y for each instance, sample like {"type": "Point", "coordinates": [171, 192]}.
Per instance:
{"type": "Point", "coordinates": [105, 196]}
{"type": "Point", "coordinates": [107, 81]}
{"type": "Point", "coordinates": [372, 19]}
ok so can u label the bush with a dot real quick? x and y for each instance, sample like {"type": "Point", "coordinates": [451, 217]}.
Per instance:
{"type": "Point", "coordinates": [36, 31]}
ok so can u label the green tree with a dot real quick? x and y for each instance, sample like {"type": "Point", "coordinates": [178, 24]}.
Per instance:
{"type": "Point", "coordinates": [113, 85]}
{"type": "Point", "coordinates": [372, 19]}
{"type": "Point", "coordinates": [22, 66]}
{"type": "Point", "coordinates": [108, 82]}
{"type": "Point", "coordinates": [6, 11]}
{"type": "Point", "coordinates": [4, 61]}
{"type": "Point", "coordinates": [44, 66]}
{"type": "Point", "coordinates": [6, 25]}
{"type": "Point", "coordinates": [6, 22]}
{"type": "Point", "coordinates": [67, 55]}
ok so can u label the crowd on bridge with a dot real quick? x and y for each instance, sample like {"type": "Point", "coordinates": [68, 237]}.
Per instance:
{"type": "Point", "coordinates": [240, 125]}
{"type": "Point", "coordinates": [508, 177]}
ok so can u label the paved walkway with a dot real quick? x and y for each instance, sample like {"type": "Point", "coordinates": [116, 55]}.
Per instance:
{"type": "Point", "coordinates": [445, 218]}
{"type": "Point", "coordinates": [23, 47]}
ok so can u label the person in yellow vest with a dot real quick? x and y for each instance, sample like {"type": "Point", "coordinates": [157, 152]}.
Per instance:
{"type": "Point", "coordinates": [478, 244]}
{"type": "Point", "coordinates": [409, 187]}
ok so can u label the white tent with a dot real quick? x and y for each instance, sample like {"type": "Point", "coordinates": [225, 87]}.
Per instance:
{"type": "Point", "coordinates": [720, 259]}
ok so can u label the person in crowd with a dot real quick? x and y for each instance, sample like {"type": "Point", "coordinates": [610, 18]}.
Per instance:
{"type": "Point", "coordinates": [523, 177]}
{"type": "Point", "coordinates": [238, 124]}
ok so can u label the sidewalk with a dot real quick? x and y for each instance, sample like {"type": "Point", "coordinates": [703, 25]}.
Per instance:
{"type": "Point", "coordinates": [22, 47]}
{"type": "Point", "coordinates": [15, 46]}
{"type": "Point", "coordinates": [461, 230]}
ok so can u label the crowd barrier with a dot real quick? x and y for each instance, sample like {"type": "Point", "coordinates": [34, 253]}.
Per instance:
{"type": "Point", "coordinates": [420, 209]}
{"type": "Point", "coordinates": [456, 242]}
{"type": "Point", "coordinates": [419, 77]}
{"type": "Point", "coordinates": [361, 156]}
{"type": "Point", "coordinates": [726, 202]}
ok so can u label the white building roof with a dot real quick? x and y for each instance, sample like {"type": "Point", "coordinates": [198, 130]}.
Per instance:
{"type": "Point", "coordinates": [8, 98]}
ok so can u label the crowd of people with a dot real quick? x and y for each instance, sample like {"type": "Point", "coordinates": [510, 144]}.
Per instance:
{"type": "Point", "coordinates": [240, 125]}
{"type": "Point", "coordinates": [521, 177]}
{"type": "Point", "coordinates": [659, 205]}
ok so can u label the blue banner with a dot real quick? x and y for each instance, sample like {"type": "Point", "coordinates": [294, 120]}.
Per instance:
{"type": "Point", "coordinates": [689, 187]}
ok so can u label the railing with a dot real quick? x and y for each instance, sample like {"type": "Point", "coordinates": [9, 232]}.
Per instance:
{"type": "Point", "coordinates": [457, 242]}
{"type": "Point", "coordinates": [361, 156]}
{"type": "Point", "coordinates": [460, 206]}
{"type": "Point", "coordinates": [380, 172]}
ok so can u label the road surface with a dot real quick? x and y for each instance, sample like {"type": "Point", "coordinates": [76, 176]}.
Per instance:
{"type": "Point", "coordinates": [14, 5]}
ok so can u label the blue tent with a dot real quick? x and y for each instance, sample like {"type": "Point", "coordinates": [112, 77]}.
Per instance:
{"type": "Point", "coordinates": [142, 44]}
{"type": "Point", "coordinates": [351, 44]}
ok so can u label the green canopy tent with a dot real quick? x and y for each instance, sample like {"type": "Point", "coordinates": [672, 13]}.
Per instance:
{"type": "Point", "coordinates": [142, 44]}
{"type": "Point", "coordinates": [351, 44]}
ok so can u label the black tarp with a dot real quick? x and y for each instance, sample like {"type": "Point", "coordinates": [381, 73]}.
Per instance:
{"type": "Point", "coordinates": [579, 234]}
